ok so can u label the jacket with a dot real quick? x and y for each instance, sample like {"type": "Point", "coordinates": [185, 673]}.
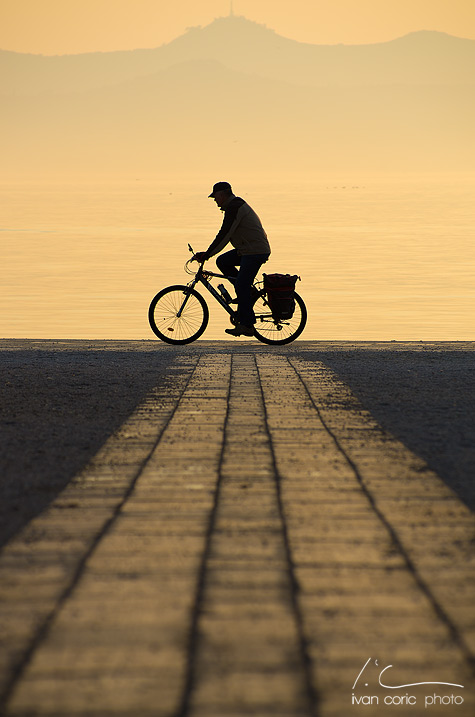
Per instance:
{"type": "Point", "coordinates": [242, 227]}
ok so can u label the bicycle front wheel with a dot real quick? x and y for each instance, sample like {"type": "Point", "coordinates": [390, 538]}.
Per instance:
{"type": "Point", "coordinates": [178, 315]}
{"type": "Point", "coordinates": [278, 332]}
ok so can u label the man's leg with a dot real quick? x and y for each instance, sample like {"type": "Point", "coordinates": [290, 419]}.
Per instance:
{"type": "Point", "coordinates": [227, 263]}
{"type": "Point", "coordinates": [250, 265]}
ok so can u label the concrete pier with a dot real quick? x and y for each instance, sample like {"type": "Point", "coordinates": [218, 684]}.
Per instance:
{"type": "Point", "coordinates": [248, 541]}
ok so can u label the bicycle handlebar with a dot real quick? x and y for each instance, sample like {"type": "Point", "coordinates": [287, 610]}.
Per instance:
{"type": "Point", "coordinates": [191, 271]}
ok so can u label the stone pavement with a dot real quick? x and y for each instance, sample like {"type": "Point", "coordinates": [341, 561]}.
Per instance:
{"type": "Point", "coordinates": [245, 544]}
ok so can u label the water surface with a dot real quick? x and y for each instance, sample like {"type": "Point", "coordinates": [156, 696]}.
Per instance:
{"type": "Point", "coordinates": [379, 258]}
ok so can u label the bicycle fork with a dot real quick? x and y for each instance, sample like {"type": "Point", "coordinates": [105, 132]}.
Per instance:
{"type": "Point", "coordinates": [182, 307]}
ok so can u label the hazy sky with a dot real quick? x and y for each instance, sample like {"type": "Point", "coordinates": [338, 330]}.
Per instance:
{"type": "Point", "coordinates": [73, 26]}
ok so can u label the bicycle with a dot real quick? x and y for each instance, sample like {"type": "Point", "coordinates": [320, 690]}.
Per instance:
{"type": "Point", "coordinates": [179, 314]}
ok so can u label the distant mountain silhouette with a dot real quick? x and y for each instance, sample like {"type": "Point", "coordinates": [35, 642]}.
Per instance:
{"type": "Point", "coordinates": [245, 46]}
{"type": "Point", "coordinates": [283, 105]}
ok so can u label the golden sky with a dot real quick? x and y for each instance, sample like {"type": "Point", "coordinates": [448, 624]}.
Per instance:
{"type": "Point", "coordinates": [74, 26]}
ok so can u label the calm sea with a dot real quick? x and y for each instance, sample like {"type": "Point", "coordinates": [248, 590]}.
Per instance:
{"type": "Point", "coordinates": [379, 258]}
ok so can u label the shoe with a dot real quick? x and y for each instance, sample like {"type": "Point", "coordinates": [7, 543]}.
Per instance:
{"type": "Point", "coordinates": [240, 330]}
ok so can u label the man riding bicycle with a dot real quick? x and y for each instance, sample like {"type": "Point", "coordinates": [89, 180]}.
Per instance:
{"type": "Point", "coordinates": [242, 227]}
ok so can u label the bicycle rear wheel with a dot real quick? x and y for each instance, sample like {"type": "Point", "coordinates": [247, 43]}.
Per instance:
{"type": "Point", "coordinates": [178, 315]}
{"type": "Point", "coordinates": [278, 332]}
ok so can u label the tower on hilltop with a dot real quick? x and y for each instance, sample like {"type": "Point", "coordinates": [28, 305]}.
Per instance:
{"type": "Point", "coordinates": [231, 9]}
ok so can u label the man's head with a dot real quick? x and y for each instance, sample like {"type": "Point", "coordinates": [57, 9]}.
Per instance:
{"type": "Point", "coordinates": [221, 193]}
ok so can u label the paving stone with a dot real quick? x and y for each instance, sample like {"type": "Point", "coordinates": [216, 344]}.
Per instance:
{"type": "Point", "coordinates": [242, 545]}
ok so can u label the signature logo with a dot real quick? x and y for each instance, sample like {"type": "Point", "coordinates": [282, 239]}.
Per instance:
{"type": "Point", "coordinates": [404, 700]}
{"type": "Point", "coordinates": [397, 687]}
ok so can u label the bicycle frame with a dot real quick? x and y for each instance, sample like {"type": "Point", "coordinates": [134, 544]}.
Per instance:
{"type": "Point", "coordinates": [201, 277]}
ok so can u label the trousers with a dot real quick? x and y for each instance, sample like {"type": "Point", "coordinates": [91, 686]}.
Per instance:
{"type": "Point", "coordinates": [242, 278]}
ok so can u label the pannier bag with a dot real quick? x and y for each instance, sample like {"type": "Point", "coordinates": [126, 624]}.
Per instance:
{"type": "Point", "coordinates": [280, 289]}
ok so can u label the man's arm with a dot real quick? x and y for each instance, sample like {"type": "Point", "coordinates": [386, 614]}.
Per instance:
{"type": "Point", "coordinates": [224, 234]}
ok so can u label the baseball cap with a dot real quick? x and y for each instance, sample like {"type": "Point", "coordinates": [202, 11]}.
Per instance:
{"type": "Point", "coordinates": [220, 187]}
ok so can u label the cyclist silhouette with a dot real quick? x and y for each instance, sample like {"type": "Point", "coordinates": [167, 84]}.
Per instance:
{"type": "Point", "coordinates": [242, 227]}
